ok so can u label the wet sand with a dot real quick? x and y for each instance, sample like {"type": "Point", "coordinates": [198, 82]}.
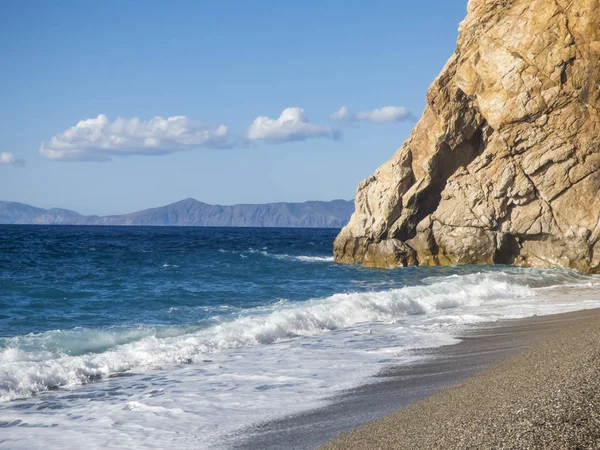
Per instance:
{"type": "Point", "coordinates": [454, 417]}
{"type": "Point", "coordinates": [546, 397]}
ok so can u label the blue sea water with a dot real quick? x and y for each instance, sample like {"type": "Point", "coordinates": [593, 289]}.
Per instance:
{"type": "Point", "coordinates": [140, 337]}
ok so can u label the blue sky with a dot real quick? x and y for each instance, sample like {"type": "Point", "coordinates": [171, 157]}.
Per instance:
{"type": "Point", "coordinates": [215, 67]}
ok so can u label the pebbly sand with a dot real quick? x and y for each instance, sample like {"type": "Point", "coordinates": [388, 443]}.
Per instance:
{"type": "Point", "coordinates": [545, 397]}
{"type": "Point", "coordinates": [455, 417]}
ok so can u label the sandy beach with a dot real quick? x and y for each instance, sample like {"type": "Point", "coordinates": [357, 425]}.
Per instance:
{"type": "Point", "coordinates": [546, 396]}
{"type": "Point", "coordinates": [527, 383]}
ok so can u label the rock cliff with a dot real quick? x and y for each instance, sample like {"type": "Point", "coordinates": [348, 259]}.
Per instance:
{"type": "Point", "coordinates": [504, 165]}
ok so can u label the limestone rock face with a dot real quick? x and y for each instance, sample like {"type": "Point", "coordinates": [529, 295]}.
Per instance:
{"type": "Point", "coordinates": [504, 165]}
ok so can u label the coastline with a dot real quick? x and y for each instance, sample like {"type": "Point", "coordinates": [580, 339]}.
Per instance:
{"type": "Point", "coordinates": [399, 403]}
{"type": "Point", "coordinates": [546, 396]}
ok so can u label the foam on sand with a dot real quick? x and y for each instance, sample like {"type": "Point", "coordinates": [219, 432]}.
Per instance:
{"type": "Point", "coordinates": [260, 362]}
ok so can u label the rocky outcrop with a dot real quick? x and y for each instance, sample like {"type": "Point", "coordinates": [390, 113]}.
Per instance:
{"type": "Point", "coordinates": [504, 165]}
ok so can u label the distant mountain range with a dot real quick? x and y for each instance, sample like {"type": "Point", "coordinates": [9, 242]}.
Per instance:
{"type": "Point", "coordinates": [190, 212]}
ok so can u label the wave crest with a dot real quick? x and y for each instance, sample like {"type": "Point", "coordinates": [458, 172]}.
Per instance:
{"type": "Point", "coordinates": [35, 363]}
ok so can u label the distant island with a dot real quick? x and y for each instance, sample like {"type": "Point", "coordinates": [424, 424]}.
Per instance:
{"type": "Point", "coordinates": [191, 212]}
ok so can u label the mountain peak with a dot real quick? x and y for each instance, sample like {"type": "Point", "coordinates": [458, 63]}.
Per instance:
{"type": "Point", "coordinates": [191, 212]}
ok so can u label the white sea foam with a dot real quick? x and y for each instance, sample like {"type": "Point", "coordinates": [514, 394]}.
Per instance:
{"type": "Point", "coordinates": [281, 256]}
{"type": "Point", "coordinates": [314, 258]}
{"type": "Point", "coordinates": [30, 364]}
{"type": "Point", "coordinates": [144, 408]}
{"type": "Point", "coordinates": [275, 359]}
{"type": "Point", "coordinates": [287, 257]}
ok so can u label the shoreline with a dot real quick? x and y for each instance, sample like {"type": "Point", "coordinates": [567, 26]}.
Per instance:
{"type": "Point", "coordinates": [545, 396]}
{"type": "Point", "coordinates": [399, 390]}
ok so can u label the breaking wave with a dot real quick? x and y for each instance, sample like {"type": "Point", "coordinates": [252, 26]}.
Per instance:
{"type": "Point", "coordinates": [39, 362]}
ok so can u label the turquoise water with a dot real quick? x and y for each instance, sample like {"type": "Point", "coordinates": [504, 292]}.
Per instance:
{"type": "Point", "coordinates": [133, 337]}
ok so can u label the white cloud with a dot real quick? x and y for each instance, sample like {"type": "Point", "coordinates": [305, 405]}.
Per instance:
{"type": "Point", "coordinates": [7, 158]}
{"type": "Point", "coordinates": [98, 139]}
{"type": "Point", "coordinates": [379, 115]}
{"type": "Point", "coordinates": [341, 114]}
{"type": "Point", "coordinates": [292, 125]}
{"type": "Point", "coordinates": [385, 114]}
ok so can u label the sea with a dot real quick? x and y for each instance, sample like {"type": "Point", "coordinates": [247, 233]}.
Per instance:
{"type": "Point", "coordinates": [152, 337]}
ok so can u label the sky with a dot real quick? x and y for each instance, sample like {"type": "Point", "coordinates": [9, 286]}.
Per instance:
{"type": "Point", "coordinates": [115, 106]}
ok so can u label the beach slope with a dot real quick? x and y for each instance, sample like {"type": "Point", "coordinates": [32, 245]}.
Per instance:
{"type": "Point", "coordinates": [547, 396]}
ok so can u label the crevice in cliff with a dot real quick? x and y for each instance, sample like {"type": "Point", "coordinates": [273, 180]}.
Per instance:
{"type": "Point", "coordinates": [511, 248]}
{"type": "Point", "coordinates": [508, 250]}
{"type": "Point", "coordinates": [564, 76]}
{"type": "Point", "coordinates": [443, 165]}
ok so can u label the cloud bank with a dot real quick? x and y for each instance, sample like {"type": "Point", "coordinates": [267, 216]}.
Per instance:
{"type": "Point", "coordinates": [292, 125]}
{"type": "Point", "coordinates": [98, 139]}
{"type": "Point", "coordinates": [7, 158]}
{"type": "Point", "coordinates": [379, 115]}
